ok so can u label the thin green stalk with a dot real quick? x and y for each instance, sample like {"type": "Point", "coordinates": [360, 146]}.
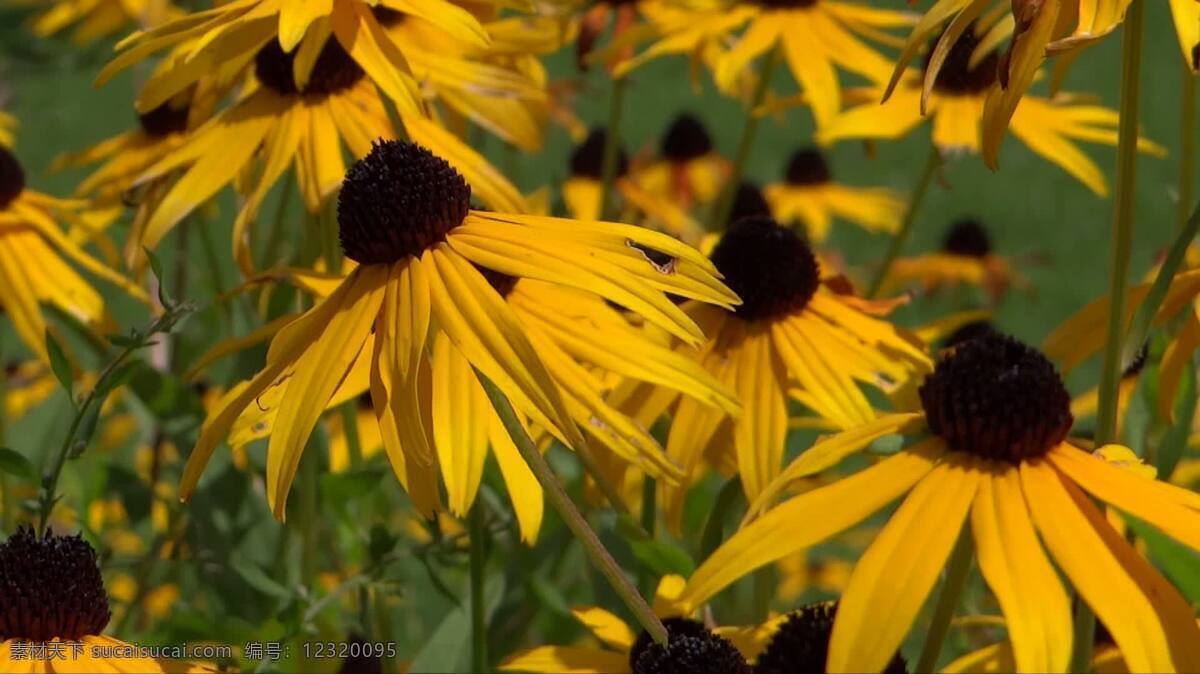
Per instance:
{"type": "Point", "coordinates": [649, 520]}
{"type": "Point", "coordinates": [714, 528]}
{"type": "Point", "coordinates": [478, 555]}
{"type": "Point", "coordinates": [1122, 233]}
{"type": "Point", "coordinates": [270, 254]}
{"type": "Point", "coordinates": [956, 579]}
{"type": "Point", "coordinates": [910, 217]}
{"type": "Point", "coordinates": [612, 149]}
{"type": "Point", "coordinates": [1148, 309]}
{"type": "Point", "coordinates": [49, 495]}
{"type": "Point", "coordinates": [561, 502]}
{"type": "Point", "coordinates": [310, 539]}
{"type": "Point", "coordinates": [724, 203]}
{"type": "Point", "coordinates": [1122, 244]}
{"type": "Point", "coordinates": [1187, 140]}
{"type": "Point", "coordinates": [349, 410]}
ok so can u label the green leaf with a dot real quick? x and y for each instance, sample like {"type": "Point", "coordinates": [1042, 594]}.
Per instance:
{"type": "Point", "coordinates": [1179, 563]}
{"type": "Point", "coordinates": [380, 542]}
{"type": "Point", "coordinates": [258, 579]}
{"type": "Point", "coordinates": [1170, 450]}
{"type": "Point", "coordinates": [447, 648]}
{"type": "Point", "coordinates": [630, 528]}
{"type": "Point", "coordinates": [61, 365]}
{"type": "Point", "coordinates": [156, 266]}
{"type": "Point", "coordinates": [14, 463]}
{"type": "Point", "coordinates": [550, 596]}
{"type": "Point", "coordinates": [663, 558]}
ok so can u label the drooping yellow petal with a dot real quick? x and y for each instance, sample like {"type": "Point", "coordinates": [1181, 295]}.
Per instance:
{"type": "Point", "coordinates": [317, 376]}
{"type": "Point", "coordinates": [483, 328]}
{"type": "Point", "coordinates": [760, 431]}
{"type": "Point", "coordinates": [1176, 361]}
{"type": "Point", "coordinates": [991, 659]}
{"type": "Point", "coordinates": [295, 17]}
{"type": "Point", "coordinates": [460, 424]}
{"type": "Point", "coordinates": [1036, 609]}
{"type": "Point", "coordinates": [19, 301]}
{"type": "Point", "coordinates": [1144, 498]}
{"type": "Point", "coordinates": [1186, 15]}
{"type": "Point", "coordinates": [451, 18]}
{"type": "Point", "coordinates": [811, 66]}
{"type": "Point", "coordinates": [828, 452]}
{"type": "Point", "coordinates": [807, 519]}
{"type": "Point", "coordinates": [365, 40]}
{"type": "Point", "coordinates": [760, 36]}
{"type": "Point", "coordinates": [875, 612]}
{"type": "Point", "coordinates": [834, 394]}
{"type": "Point", "coordinates": [1025, 56]}
{"type": "Point", "coordinates": [1147, 618]}
{"type": "Point", "coordinates": [524, 490]}
{"type": "Point", "coordinates": [605, 626]}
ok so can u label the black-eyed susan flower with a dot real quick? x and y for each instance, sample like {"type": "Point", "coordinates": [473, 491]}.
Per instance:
{"type": "Point", "coordinates": [54, 609]}
{"type": "Point", "coordinates": [790, 339]}
{"type": "Point", "coordinates": [319, 72]}
{"type": "Point", "coordinates": [404, 217]}
{"type": "Point", "coordinates": [816, 38]}
{"type": "Point", "coordinates": [1047, 126]}
{"type": "Point", "coordinates": [998, 417]}
{"type": "Point", "coordinates": [809, 196]}
{"type": "Point", "coordinates": [688, 170]}
{"type": "Point", "coordinates": [691, 646]}
{"type": "Point", "coordinates": [586, 345]}
{"type": "Point", "coordinates": [965, 259]}
{"type": "Point", "coordinates": [1036, 29]}
{"type": "Point", "coordinates": [800, 643]}
{"type": "Point", "coordinates": [35, 262]}
{"type": "Point", "coordinates": [583, 190]}
{"type": "Point", "coordinates": [95, 19]}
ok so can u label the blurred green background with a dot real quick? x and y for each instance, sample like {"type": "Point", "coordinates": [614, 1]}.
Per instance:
{"type": "Point", "coordinates": [1033, 210]}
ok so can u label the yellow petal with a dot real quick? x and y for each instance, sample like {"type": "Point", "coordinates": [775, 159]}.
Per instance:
{"type": "Point", "coordinates": [876, 612]}
{"type": "Point", "coordinates": [807, 519]}
{"type": "Point", "coordinates": [317, 376]}
{"type": "Point", "coordinates": [1036, 609]}
{"type": "Point", "coordinates": [605, 626]}
{"type": "Point", "coordinates": [759, 433]}
{"type": "Point", "coordinates": [524, 490]}
{"type": "Point", "coordinates": [295, 17]}
{"type": "Point", "coordinates": [1151, 624]}
{"type": "Point", "coordinates": [460, 424]}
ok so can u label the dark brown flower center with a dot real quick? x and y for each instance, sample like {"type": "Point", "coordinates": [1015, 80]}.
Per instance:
{"type": "Point", "coordinates": [691, 649]}
{"type": "Point", "coordinates": [968, 331]}
{"type": "Point", "coordinates": [967, 237]}
{"type": "Point", "coordinates": [50, 587]}
{"type": "Point", "coordinates": [997, 398]}
{"type": "Point", "coordinates": [398, 201]}
{"type": "Point", "coordinates": [587, 161]}
{"type": "Point", "coordinates": [686, 139]}
{"type": "Point", "coordinates": [807, 167]}
{"type": "Point", "coordinates": [801, 645]}
{"type": "Point", "coordinates": [770, 267]}
{"type": "Point", "coordinates": [957, 76]}
{"type": "Point", "coordinates": [12, 177]}
{"type": "Point", "coordinates": [164, 120]}
{"type": "Point", "coordinates": [333, 71]}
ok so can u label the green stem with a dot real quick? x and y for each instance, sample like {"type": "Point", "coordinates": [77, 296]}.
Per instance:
{"type": "Point", "coordinates": [49, 495]}
{"type": "Point", "coordinates": [910, 217]}
{"type": "Point", "coordinates": [724, 203]}
{"type": "Point", "coordinates": [612, 149]}
{"type": "Point", "coordinates": [714, 528]}
{"type": "Point", "coordinates": [349, 410]}
{"type": "Point", "coordinates": [947, 601]}
{"type": "Point", "coordinates": [1122, 233]}
{"type": "Point", "coordinates": [649, 520]}
{"type": "Point", "coordinates": [478, 554]}
{"type": "Point", "coordinates": [1148, 309]}
{"type": "Point", "coordinates": [561, 502]}
{"type": "Point", "coordinates": [1084, 637]}
{"type": "Point", "coordinates": [310, 538]}
{"type": "Point", "coordinates": [1187, 140]}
